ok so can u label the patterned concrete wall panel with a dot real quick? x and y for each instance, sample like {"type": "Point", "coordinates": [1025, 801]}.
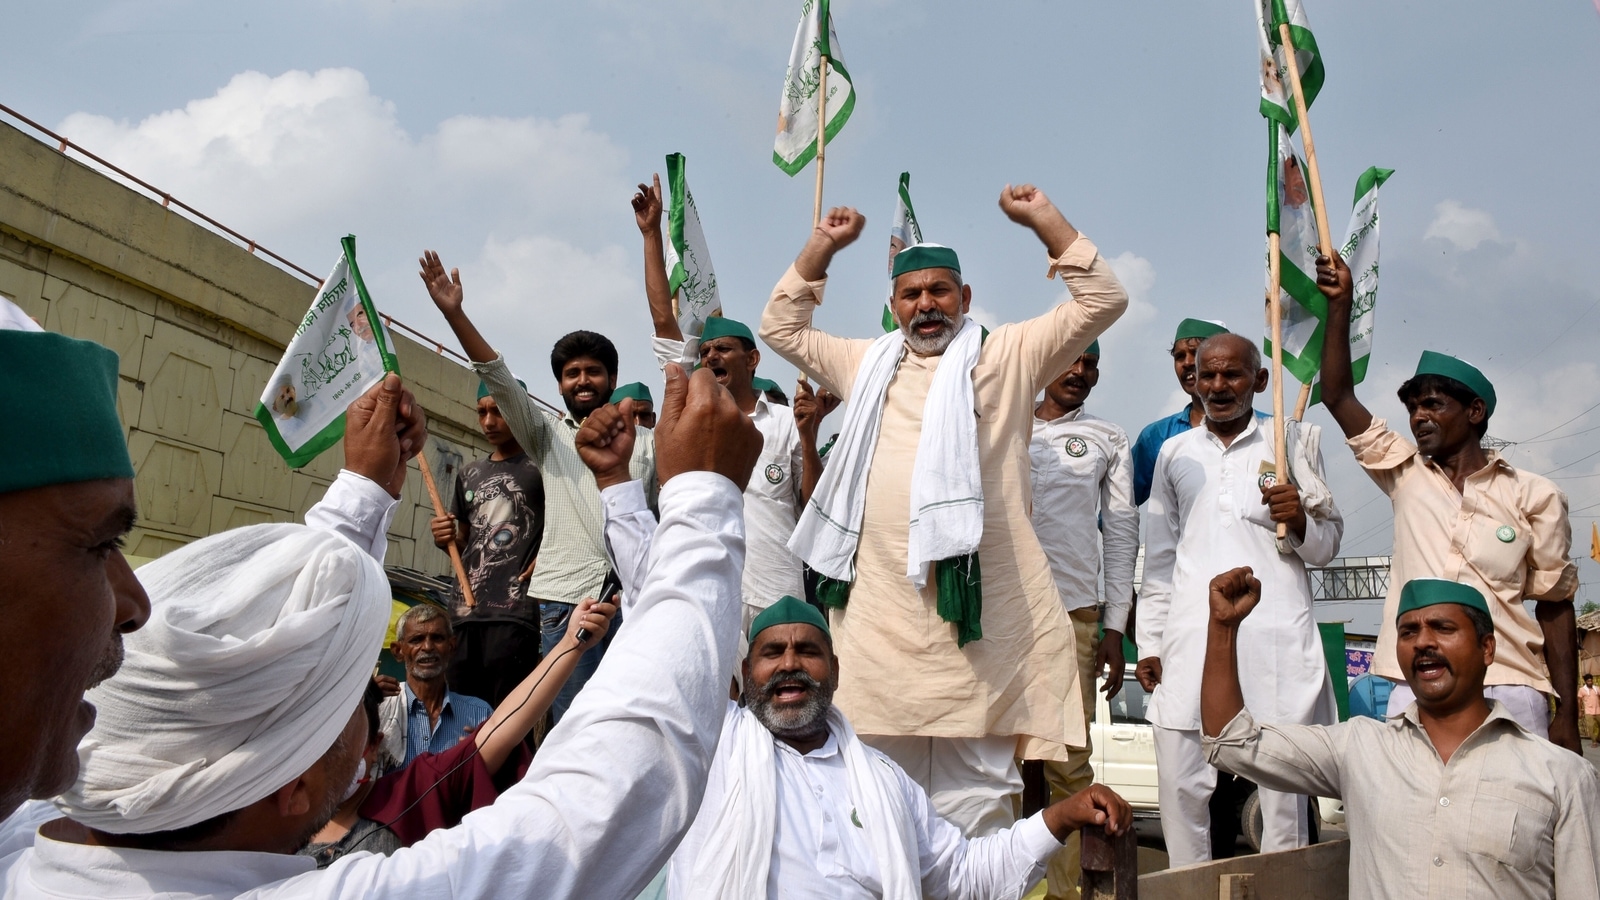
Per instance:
{"type": "Point", "coordinates": [251, 470]}
{"type": "Point", "coordinates": [175, 483]}
{"type": "Point", "coordinates": [306, 491]}
{"type": "Point", "coordinates": [228, 514]}
{"type": "Point", "coordinates": [148, 544]}
{"type": "Point", "coordinates": [187, 381]}
{"type": "Point", "coordinates": [24, 286]}
{"type": "Point", "coordinates": [250, 374]}
{"type": "Point", "coordinates": [401, 552]}
{"type": "Point", "coordinates": [412, 492]}
{"type": "Point", "coordinates": [82, 314]}
{"type": "Point", "coordinates": [129, 398]}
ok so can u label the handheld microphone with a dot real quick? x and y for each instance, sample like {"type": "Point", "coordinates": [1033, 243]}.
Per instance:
{"type": "Point", "coordinates": [608, 591]}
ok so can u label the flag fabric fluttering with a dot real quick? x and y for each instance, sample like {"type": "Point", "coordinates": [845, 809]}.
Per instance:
{"type": "Point", "coordinates": [1276, 102]}
{"type": "Point", "coordinates": [1291, 216]}
{"type": "Point", "coordinates": [340, 350]}
{"type": "Point", "coordinates": [1360, 252]}
{"type": "Point", "coordinates": [903, 232]}
{"type": "Point", "coordinates": [689, 273]}
{"type": "Point", "coordinates": [796, 144]}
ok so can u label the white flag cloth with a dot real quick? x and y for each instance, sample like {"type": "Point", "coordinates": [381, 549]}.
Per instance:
{"type": "Point", "coordinates": [1291, 214]}
{"type": "Point", "coordinates": [903, 232]}
{"type": "Point", "coordinates": [796, 143]}
{"type": "Point", "coordinates": [1276, 103]}
{"type": "Point", "coordinates": [1360, 252]}
{"type": "Point", "coordinates": [340, 350]}
{"type": "Point", "coordinates": [689, 272]}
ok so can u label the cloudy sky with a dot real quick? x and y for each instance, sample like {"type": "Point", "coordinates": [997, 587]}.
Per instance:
{"type": "Point", "coordinates": [508, 137]}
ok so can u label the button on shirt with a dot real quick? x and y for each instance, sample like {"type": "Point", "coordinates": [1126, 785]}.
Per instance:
{"type": "Point", "coordinates": [572, 556]}
{"type": "Point", "coordinates": [458, 714]}
{"type": "Point", "coordinates": [1083, 477]}
{"type": "Point", "coordinates": [1206, 517]}
{"type": "Point", "coordinates": [1505, 533]}
{"type": "Point", "coordinates": [1510, 816]}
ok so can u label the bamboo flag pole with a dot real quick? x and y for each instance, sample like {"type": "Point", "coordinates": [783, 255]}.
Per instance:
{"type": "Point", "coordinates": [1280, 453]}
{"type": "Point", "coordinates": [1324, 244]}
{"type": "Point", "coordinates": [438, 510]}
{"type": "Point", "coordinates": [1304, 401]}
{"type": "Point", "coordinates": [822, 131]}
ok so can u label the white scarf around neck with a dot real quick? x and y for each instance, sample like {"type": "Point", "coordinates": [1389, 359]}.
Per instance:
{"type": "Point", "coordinates": [946, 512]}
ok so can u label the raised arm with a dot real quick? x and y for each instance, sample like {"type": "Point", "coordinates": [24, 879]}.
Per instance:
{"type": "Point", "coordinates": [647, 214]}
{"type": "Point", "coordinates": [810, 408]}
{"type": "Point", "coordinates": [1338, 382]}
{"type": "Point", "coordinates": [384, 429]}
{"type": "Point", "coordinates": [1051, 342]}
{"type": "Point", "coordinates": [448, 296]}
{"type": "Point", "coordinates": [605, 444]}
{"type": "Point", "coordinates": [1233, 595]}
{"type": "Point", "coordinates": [786, 323]}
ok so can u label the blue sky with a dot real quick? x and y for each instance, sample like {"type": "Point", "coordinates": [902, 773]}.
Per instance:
{"type": "Point", "coordinates": [508, 136]}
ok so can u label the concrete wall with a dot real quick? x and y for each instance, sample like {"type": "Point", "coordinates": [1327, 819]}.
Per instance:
{"type": "Point", "coordinates": [199, 324]}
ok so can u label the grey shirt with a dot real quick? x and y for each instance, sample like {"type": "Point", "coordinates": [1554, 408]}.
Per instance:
{"type": "Point", "coordinates": [1511, 815]}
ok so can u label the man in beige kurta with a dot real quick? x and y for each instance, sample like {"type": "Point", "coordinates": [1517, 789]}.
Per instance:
{"type": "Point", "coordinates": [955, 717]}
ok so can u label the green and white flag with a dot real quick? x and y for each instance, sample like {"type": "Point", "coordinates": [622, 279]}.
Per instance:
{"type": "Point", "coordinates": [1276, 103]}
{"type": "Point", "coordinates": [689, 272]}
{"type": "Point", "coordinates": [1360, 252]}
{"type": "Point", "coordinates": [796, 143]}
{"type": "Point", "coordinates": [903, 232]}
{"type": "Point", "coordinates": [340, 350]}
{"type": "Point", "coordinates": [1291, 215]}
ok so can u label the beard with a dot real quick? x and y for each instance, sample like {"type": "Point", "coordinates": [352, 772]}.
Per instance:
{"type": "Point", "coordinates": [930, 344]}
{"type": "Point", "coordinates": [581, 411]}
{"type": "Point", "coordinates": [794, 722]}
{"type": "Point", "coordinates": [1240, 409]}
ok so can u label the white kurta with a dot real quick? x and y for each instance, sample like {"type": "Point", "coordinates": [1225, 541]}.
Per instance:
{"type": "Point", "coordinates": [1083, 511]}
{"type": "Point", "coordinates": [600, 809]}
{"type": "Point", "coordinates": [819, 854]}
{"type": "Point", "coordinates": [1206, 517]}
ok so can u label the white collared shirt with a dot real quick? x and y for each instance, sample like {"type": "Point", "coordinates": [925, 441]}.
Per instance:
{"type": "Point", "coordinates": [598, 811]}
{"type": "Point", "coordinates": [1083, 477]}
{"type": "Point", "coordinates": [1206, 517]}
{"type": "Point", "coordinates": [820, 853]}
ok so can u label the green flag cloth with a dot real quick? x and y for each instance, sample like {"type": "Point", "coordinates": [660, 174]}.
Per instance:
{"type": "Point", "coordinates": [1360, 252]}
{"type": "Point", "coordinates": [340, 350]}
{"type": "Point", "coordinates": [1291, 214]}
{"type": "Point", "coordinates": [1276, 102]}
{"type": "Point", "coordinates": [59, 407]}
{"type": "Point", "coordinates": [798, 123]}
{"type": "Point", "coordinates": [903, 232]}
{"type": "Point", "coordinates": [689, 273]}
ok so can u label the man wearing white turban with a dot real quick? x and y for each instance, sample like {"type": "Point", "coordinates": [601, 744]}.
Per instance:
{"type": "Point", "coordinates": [259, 644]}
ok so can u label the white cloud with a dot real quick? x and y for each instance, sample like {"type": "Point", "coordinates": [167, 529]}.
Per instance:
{"type": "Point", "coordinates": [984, 317]}
{"type": "Point", "coordinates": [1462, 226]}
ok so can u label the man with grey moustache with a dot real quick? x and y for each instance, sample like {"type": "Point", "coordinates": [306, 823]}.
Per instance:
{"type": "Point", "coordinates": [425, 716]}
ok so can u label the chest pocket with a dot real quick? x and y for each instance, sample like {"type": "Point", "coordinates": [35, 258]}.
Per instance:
{"type": "Point", "coordinates": [1512, 826]}
{"type": "Point", "coordinates": [1498, 550]}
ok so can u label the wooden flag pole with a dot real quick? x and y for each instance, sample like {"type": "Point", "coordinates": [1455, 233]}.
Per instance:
{"type": "Point", "coordinates": [438, 510]}
{"type": "Point", "coordinates": [1304, 401]}
{"type": "Point", "coordinates": [1280, 453]}
{"type": "Point", "coordinates": [822, 133]}
{"type": "Point", "coordinates": [1324, 242]}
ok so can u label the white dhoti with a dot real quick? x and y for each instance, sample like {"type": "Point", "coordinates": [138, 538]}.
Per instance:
{"type": "Point", "coordinates": [970, 781]}
{"type": "Point", "coordinates": [1186, 784]}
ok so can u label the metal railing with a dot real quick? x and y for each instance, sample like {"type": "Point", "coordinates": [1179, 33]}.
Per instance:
{"type": "Point", "coordinates": [62, 145]}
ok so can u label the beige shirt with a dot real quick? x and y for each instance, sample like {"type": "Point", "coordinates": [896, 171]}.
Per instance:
{"type": "Point", "coordinates": [1511, 815]}
{"type": "Point", "coordinates": [1506, 533]}
{"type": "Point", "coordinates": [901, 672]}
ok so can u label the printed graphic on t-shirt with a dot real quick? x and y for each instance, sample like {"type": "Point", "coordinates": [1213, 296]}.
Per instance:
{"type": "Point", "coordinates": [502, 504]}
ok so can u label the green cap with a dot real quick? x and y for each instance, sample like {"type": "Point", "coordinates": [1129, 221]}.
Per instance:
{"type": "Point", "coordinates": [1094, 348]}
{"type": "Point", "coordinates": [789, 611]}
{"type": "Point", "coordinates": [1198, 328]}
{"type": "Point", "coordinates": [1420, 592]}
{"type": "Point", "coordinates": [60, 410]}
{"type": "Point", "coordinates": [483, 389]}
{"type": "Point", "coordinates": [925, 256]}
{"type": "Point", "coordinates": [635, 391]}
{"type": "Point", "coordinates": [763, 384]}
{"type": "Point", "coordinates": [722, 326]}
{"type": "Point", "coordinates": [1449, 367]}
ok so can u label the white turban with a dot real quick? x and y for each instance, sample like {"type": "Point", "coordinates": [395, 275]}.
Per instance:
{"type": "Point", "coordinates": [259, 645]}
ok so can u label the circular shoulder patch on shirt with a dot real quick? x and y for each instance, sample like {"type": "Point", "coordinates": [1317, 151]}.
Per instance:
{"type": "Point", "coordinates": [774, 473]}
{"type": "Point", "coordinates": [1076, 447]}
{"type": "Point", "coordinates": [1506, 533]}
{"type": "Point", "coordinates": [1268, 479]}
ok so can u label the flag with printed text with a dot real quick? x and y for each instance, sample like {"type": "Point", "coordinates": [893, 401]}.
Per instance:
{"type": "Point", "coordinates": [798, 122]}
{"type": "Point", "coordinates": [689, 273]}
{"type": "Point", "coordinates": [1360, 252]}
{"type": "Point", "coordinates": [903, 232]}
{"type": "Point", "coordinates": [1276, 101]}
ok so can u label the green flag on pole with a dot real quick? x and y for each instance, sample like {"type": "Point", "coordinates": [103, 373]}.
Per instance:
{"type": "Point", "coordinates": [340, 350]}
{"type": "Point", "coordinates": [903, 232]}
{"type": "Point", "coordinates": [689, 273]}
{"type": "Point", "coordinates": [796, 144]}
{"type": "Point", "coordinates": [1291, 215]}
{"type": "Point", "coordinates": [1360, 252]}
{"type": "Point", "coordinates": [1276, 103]}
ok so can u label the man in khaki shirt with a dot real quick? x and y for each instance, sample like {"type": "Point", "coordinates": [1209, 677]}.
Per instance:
{"type": "Point", "coordinates": [1453, 800]}
{"type": "Point", "coordinates": [1463, 513]}
{"type": "Point", "coordinates": [953, 714]}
